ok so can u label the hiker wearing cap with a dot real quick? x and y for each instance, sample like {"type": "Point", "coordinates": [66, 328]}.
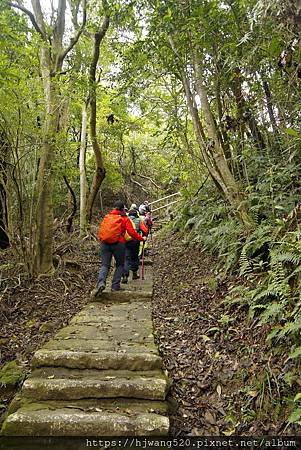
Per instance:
{"type": "Point", "coordinates": [111, 235]}
{"type": "Point", "coordinates": [144, 208]}
{"type": "Point", "coordinates": [132, 246]}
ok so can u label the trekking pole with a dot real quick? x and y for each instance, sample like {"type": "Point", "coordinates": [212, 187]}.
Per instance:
{"type": "Point", "coordinates": [142, 262]}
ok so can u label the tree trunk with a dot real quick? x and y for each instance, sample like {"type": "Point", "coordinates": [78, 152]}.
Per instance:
{"type": "Point", "coordinates": [268, 97]}
{"type": "Point", "coordinates": [100, 171]}
{"type": "Point", "coordinates": [229, 185]}
{"type": "Point", "coordinates": [4, 147]}
{"type": "Point", "coordinates": [244, 114]}
{"type": "Point", "coordinates": [44, 216]}
{"type": "Point", "coordinates": [52, 55]}
{"type": "Point", "coordinates": [82, 173]}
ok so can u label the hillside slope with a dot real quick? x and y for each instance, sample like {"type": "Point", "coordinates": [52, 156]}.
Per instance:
{"type": "Point", "coordinates": [226, 379]}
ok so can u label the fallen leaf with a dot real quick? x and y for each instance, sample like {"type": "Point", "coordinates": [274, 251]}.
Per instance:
{"type": "Point", "coordinates": [252, 393]}
{"type": "Point", "coordinates": [209, 418]}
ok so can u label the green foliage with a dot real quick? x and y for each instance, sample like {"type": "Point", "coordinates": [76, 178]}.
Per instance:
{"type": "Point", "coordinates": [210, 222]}
{"type": "Point", "coordinates": [11, 374]}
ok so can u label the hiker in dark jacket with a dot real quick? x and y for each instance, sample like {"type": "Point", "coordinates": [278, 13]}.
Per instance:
{"type": "Point", "coordinates": [132, 247]}
{"type": "Point", "coordinates": [116, 249]}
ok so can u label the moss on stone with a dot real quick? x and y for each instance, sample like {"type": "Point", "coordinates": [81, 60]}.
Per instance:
{"type": "Point", "coordinates": [11, 374]}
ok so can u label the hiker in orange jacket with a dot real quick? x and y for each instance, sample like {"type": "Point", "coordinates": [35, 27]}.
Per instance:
{"type": "Point", "coordinates": [114, 245]}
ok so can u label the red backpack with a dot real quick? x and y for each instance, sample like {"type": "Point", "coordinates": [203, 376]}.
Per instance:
{"type": "Point", "coordinates": [110, 229]}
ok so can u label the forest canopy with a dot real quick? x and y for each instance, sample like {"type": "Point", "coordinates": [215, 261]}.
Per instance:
{"type": "Point", "coordinates": [142, 99]}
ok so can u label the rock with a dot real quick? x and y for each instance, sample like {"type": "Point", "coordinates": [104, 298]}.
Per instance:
{"type": "Point", "coordinates": [61, 384]}
{"type": "Point", "coordinates": [73, 422]}
{"type": "Point", "coordinates": [119, 359]}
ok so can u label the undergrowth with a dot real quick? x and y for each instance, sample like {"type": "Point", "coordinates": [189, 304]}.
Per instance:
{"type": "Point", "coordinates": [268, 263]}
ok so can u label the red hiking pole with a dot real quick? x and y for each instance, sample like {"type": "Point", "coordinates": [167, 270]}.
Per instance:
{"type": "Point", "coordinates": [142, 262]}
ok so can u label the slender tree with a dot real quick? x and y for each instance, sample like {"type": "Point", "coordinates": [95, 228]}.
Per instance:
{"type": "Point", "coordinates": [52, 55]}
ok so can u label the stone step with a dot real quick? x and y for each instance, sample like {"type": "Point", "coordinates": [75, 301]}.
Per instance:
{"type": "Point", "coordinates": [65, 384]}
{"type": "Point", "coordinates": [91, 345]}
{"type": "Point", "coordinates": [120, 359]}
{"type": "Point", "coordinates": [130, 332]}
{"type": "Point", "coordinates": [121, 296]}
{"type": "Point", "coordinates": [103, 313]}
{"type": "Point", "coordinates": [116, 405]}
{"type": "Point", "coordinates": [87, 418]}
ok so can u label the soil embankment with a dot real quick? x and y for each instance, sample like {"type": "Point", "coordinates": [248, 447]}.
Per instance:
{"type": "Point", "coordinates": [226, 379]}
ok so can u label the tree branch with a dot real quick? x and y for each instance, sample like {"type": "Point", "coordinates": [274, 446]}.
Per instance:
{"type": "Point", "coordinates": [74, 40]}
{"type": "Point", "coordinates": [59, 26]}
{"type": "Point", "coordinates": [138, 184]}
{"type": "Point", "coordinates": [150, 179]}
{"type": "Point", "coordinates": [32, 18]}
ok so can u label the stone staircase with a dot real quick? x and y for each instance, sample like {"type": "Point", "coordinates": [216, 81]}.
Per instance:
{"type": "Point", "coordinates": [99, 376]}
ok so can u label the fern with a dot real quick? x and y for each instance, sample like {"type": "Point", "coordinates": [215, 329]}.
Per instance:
{"type": "Point", "coordinates": [273, 311]}
{"type": "Point", "coordinates": [288, 257]}
{"type": "Point", "coordinates": [295, 353]}
{"type": "Point", "coordinates": [245, 264]}
{"type": "Point", "coordinates": [291, 328]}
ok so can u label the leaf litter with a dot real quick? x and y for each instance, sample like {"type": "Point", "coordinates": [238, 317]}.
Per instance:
{"type": "Point", "coordinates": [216, 360]}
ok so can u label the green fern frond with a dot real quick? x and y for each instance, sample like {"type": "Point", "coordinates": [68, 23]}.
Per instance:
{"type": "Point", "coordinates": [245, 264]}
{"type": "Point", "coordinates": [274, 333]}
{"type": "Point", "coordinates": [295, 353]}
{"type": "Point", "coordinates": [272, 312]}
{"type": "Point", "coordinates": [290, 328]}
{"type": "Point", "coordinates": [287, 257]}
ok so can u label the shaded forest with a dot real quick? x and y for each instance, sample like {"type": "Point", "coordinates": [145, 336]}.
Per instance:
{"type": "Point", "coordinates": [136, 100]}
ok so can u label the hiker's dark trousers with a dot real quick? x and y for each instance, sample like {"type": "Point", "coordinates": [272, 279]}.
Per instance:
{"type": "Point", "coordinates": [107, 251]}
{"type": "Point", "coordinates": [131, 257]}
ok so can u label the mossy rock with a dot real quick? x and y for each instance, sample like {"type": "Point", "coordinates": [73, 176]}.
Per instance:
{"type": "Point", "coordinates": [11, 374]}
{"type": "Point", "coordinates": [46, 326]}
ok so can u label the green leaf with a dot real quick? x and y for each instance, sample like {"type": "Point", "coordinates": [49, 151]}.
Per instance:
{"type": "Point", "coordinates": [297, 397]}
{"type": "Point", "coordinates": [292, 132]}
{"type": "Point", "coordinates": [295, 416]}
{"type": "Point", "coordinates": [295, 353]}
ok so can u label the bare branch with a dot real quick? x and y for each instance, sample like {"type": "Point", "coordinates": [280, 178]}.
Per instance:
{"type": "Point", "coordinates": [74, 40]}
{"type": "Point", "coordinates": [32, 18]}
{"type": "Point", "coordinates": [148, 178]}
{"type": "Point", "coordinates": [138, 184]}
{"type": "Point", "coordinates": [74, 7]}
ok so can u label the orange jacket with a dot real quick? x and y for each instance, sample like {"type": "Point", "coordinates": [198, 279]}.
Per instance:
{"type": "Point", "coordinates": [144, 228]}
{"type": "Point", "coordinates": [126, 226]}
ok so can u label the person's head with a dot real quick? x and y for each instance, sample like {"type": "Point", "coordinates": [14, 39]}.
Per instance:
{"type": "Point", "coordinates": [134, 206]}
{"type": "Point", "coordinates": [133, 213]}
{"type": "Point", "coordinates": [119, 205]}
{"type": "Point", "coordinates": [146, 202]}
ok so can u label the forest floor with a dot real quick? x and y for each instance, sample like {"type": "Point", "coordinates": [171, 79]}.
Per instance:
{"type": "Point", "coordinates": [225, 379]}
{"type": "Point", "coordinates": [32, 312]}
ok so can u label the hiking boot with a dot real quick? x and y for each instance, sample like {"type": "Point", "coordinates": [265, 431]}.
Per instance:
{"type": "Point", "coordinates": [124, 279]}
{"type": "Point", "coordinates": [98, 290]}
{"type": "Point", "coordinates": [117, 289]}
{"type": "Point", "coordinates": [136, 276]}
